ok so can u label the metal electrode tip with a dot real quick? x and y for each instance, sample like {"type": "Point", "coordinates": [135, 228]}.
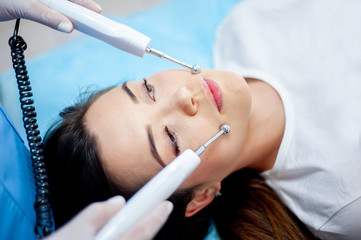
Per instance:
{"type": "Point", "coordinates": [196, 69]}
{"type": "Point", "coordinates": [225, 128]}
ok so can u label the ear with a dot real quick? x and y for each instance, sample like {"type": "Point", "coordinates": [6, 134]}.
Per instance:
{"type": "Point", "coordinates": [203, 196]}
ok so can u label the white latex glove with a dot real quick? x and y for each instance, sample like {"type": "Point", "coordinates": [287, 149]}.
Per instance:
{"type": "Point", "coordinates": [92, 218]}
{"type": "Point", "coordinates": [36, 11]}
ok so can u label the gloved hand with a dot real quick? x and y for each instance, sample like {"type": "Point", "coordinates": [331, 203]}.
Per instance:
{"type": "Point", "coordinates": [89, 221]}
{"type": "Point", "coordinates": [36, 11]}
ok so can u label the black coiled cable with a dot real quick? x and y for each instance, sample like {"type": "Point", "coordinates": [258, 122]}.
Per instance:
{"type": "Point", "coordinates": [44, 223]}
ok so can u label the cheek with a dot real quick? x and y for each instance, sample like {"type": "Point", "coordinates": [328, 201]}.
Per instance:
{"type": "Point", "coordinates": [209, 169]}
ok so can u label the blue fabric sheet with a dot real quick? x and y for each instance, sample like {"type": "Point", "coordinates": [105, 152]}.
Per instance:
{"type": "Point", "coordinates": [17, 188]}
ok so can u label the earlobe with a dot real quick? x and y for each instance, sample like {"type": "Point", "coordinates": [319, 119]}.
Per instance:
{"type": "Point", "coordinates": [202, 198]}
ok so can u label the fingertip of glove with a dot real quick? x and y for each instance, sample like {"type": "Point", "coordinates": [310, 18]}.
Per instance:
{"type": "Point", "coordinates": [169, 207]}
{"type": "Point", "coordinates": [117, 200]}
{"type": "Point", "coordinates": [98, 6]}
{"type": "Point", "coordinates": [65, 27]}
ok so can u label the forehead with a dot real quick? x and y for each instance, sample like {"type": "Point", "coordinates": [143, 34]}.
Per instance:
{"type": "Point", "coordinates": [121, 135]}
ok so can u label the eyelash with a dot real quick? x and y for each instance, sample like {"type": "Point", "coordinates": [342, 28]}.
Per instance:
{"type": "Point", "coordinates": [150, 89]}
{"type": "Point", "coordinates": [173, 137]}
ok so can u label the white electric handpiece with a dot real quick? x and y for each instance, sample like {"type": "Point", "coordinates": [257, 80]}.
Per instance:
{"type": "Point", "coordinates": [109, 31]}
{"type": "Point", "coordinates": [159, 188]}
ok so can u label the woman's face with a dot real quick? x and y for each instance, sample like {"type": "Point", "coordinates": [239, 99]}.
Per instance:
{"type": "Point", "coordinates": [142, 126]}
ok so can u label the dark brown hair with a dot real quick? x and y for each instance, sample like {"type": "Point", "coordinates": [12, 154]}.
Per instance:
{"type": "Point", "coordinates": [76, 177]}
{"type": "Point", "coordinates": [249, 209]}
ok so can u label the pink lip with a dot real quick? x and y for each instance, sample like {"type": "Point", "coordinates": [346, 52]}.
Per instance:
{"type": "Point", "coordinates": [215, 92]}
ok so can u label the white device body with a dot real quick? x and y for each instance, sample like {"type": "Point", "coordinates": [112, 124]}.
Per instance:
{"type": "Point", "coordinates": [159, 188]}
{"type": "Point", "coordinates": [102, 28]}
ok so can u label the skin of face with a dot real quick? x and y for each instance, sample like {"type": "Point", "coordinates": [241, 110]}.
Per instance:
{"type": "Point", "coordinates": [179, 102]}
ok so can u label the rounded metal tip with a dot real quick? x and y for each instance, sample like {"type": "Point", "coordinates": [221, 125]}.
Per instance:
{"type": "Point", "coordinates": [225, 128]}
{"type": "Point", "coordinates": [196, 69]}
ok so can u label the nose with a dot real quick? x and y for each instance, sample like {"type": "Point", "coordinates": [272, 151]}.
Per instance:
{"type": "Point", "coordinates": [184, 101]}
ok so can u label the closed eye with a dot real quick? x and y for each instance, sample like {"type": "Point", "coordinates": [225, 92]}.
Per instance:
{"type": "Point", "coordinates": [150, 89]}
{"type": "Point", "coordinates": [173, 137]}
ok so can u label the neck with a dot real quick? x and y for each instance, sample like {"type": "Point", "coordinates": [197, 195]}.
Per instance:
{"type": "Point", "coordinates": [265, 129]}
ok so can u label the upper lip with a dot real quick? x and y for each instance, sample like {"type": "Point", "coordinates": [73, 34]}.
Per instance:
{"type": "Point", "coordinates": [213, 93]}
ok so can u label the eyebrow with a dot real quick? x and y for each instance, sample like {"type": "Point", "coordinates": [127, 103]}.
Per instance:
{"type": "Point", "coordinates": [129, 92]}
{"type": "Point", "coordinates": [153, 148]}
